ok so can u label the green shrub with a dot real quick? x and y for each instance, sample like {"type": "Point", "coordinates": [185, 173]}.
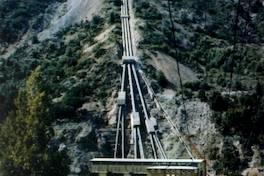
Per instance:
{"type": "Point", "coordinates": [117, 2]}
{"type": "Point", "coordinates": [202, 95]}
{"type": "Point", "coordinates": [34, 39]}
{"type": "Point", "coordinates": [96, 20]}
{"type": "Point", "coordinates": [81, 75]}
{"type": "Point", "coordinates": [114, 17]}
{"type": "Point", "coordinates": [162, 81]}
{"type": "Point", "coordinates": [218, 102]}
{"type": "Point", "coordinates": [195, 85]}
{"type": "Point", "coordinates": [99, 52]}
{"type": "Point", "coordinates": [187, 93]}
{"type": "Point", "coordinates": [61, 110]}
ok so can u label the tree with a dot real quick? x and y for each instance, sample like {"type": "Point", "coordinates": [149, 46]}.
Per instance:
{"type": "Point", "coordinates": [112, 17]}
{"type": "Point", "coordinates": [25, 135]}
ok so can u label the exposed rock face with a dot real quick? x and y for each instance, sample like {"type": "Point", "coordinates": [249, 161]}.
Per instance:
{"type": "Point", "coordinates": [256, 158]}
{"type": "Point", "coordinates": [86, 138]}
{"type": "Point", "coordinates": [83, 139]}
{"type": "Point", "coordinates": [168, 66]}
{"type": "Point", "coordinates": [69, 13]}
{"type": "Point", "coordinates": [80, 141]}
{"type": "Point", "coordinates": [252, 172]}
{"type": "Point", "coordinates": [195, 124]}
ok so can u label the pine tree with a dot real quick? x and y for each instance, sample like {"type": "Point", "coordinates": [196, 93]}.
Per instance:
{"type": "Point", "coordinates": [25, 136]}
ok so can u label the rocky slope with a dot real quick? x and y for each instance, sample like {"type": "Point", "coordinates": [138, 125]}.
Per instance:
{"type": "Point", "coordinates": [79, 50]}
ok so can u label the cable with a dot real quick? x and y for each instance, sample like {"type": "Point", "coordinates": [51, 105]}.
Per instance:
{"type": "Point", "coordinates": [178, 68]}
{"type": "Point", "coordinates": [234, 48]}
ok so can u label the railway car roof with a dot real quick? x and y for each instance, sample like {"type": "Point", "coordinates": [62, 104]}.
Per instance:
{"type": "Point", "coordinates": [120, 160]}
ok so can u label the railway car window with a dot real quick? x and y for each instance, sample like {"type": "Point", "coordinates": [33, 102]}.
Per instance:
{"type": "Point", "coordinates": [172, 171]}
{"type": "Point", "coordinates": [168, 171]}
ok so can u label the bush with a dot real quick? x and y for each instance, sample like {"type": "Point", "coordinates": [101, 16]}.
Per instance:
{"type": "Point", "coordinates": [218, 102]}
{"type": "Point", "coordinates": [62, 110]}
{"type": "Point", "coordinates": [184, 17]}
{"type": "Point", "coordinates": [202, 95]}
{"type": "Point", "coordinates": [187, 93]}
{"type": "Point", "coordinates": [195, 85]}
{"type": "Point", "coordinates": [81, 75]}
{"type": "Point", "coordinates": [96, 20]}
{"type": "Point", "coordinates": [99, 52]}
{"type": "Point", "coordinates": [117, 2]}
{"type": "Point", "coordinates": [34, 39]}
{"type": "Point", "coordinates": [162, 81]}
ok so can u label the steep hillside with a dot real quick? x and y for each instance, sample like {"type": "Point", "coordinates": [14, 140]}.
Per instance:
{"type": "Point", "coordinates": [78, 56]}
{"type": "Point", "coordinates": [216, 98]}
{"type": "Point", "coordinates": [60, 71]}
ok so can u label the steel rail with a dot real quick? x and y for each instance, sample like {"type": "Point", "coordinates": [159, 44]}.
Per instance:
{"type": "Point", "coordinates": [120, 114]}
{"type": "Point", "coordinates": [135, 143]}
{"type": "Point", "coordinates": [126, 9]}
{"type": "Point", "coordinates": [129, 38]}
{"type": "Point", "coordinates": [160, 146]}
{"type": "Point", "coordinates": [124, 29]}
{"type": "Point", "coordinates": [126, 41]}
{"type": "Point", "coordinates": [123, 78]}
{"type": "Point", "coordinates": [123, 35]}
{"type": "Point", "coordinates": [153, 146]}
{"type": "Point", "coordinates": [141, 149]}
{"type": "Point", "coordinates": [131, 88]}
{"type": "Point", "coordinates": [117, 131]}
{"type": "Point", "coordinates": [123, 135]}
{"type": "Point", "coordinates": [157, 144]}
{"type": "Point", "coordinates": [140, 93]}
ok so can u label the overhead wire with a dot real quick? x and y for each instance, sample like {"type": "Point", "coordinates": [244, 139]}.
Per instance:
{"type": "Point", "coordinates": [178, 67]}
{"type": "Point", "coordinates": [234, 48]}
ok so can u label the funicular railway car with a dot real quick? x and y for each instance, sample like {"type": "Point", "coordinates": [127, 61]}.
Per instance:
{"type": "Point", "coordinates": [149, 167]}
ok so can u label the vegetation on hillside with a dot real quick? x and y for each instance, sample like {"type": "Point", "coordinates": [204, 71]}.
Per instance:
{"type": "Point", "coordinates": [64, 65]}
{"type": "Point", "coordinates": [16, 17]}
{"type": "Point", "coordinates": [26, 133]}
{"type": "Point", "coordinates": [222, 42]}
{"type": "Point", "coordinates": [50, 80]}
